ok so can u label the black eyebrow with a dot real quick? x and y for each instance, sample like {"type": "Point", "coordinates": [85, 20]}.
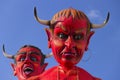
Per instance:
{"type": "Point", "coordinates": [34, 53]}
{"type": "Point", "coordinates": [19, 53]}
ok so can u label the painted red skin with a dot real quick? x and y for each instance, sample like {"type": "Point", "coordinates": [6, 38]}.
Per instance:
{"type": "Point", "coordinates": [52, 73]}
{"type": "Point", "coordinates": [28, 57]}
{"type": "Point", "coordinates": [69, 40]}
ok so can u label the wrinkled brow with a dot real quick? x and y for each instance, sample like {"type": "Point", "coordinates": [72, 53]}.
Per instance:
{"type": "Point", "coordinates": [29, 53]}
{"type": "Point", "coordinates": [34, 53]}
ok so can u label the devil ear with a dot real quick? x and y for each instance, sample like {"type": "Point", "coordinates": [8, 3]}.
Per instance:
{"type": "Point", "coordinates": [14, 69]}
{"type": "Point", "coordinates": [89, 35]}
{"type": "Point", "coordinates": [44, 66]}
{"type": "Point", "coordinates": [49, 34]}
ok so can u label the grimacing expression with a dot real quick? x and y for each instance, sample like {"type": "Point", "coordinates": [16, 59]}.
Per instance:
{"type": "Point", "coordinates": [69, 39]}
{"type": "Point", "coordinates": [28, 63]}
{"type": "Point", "coordinates": [69, 34]}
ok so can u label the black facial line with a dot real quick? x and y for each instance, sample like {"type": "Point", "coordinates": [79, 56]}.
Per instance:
{"type": "Point", "coordinates": [35, 53]}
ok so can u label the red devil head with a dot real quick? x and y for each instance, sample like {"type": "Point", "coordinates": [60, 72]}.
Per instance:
{"type": "Point", "coordinates": [29, 61]}
{"type": "Point", "coordinates": [69, 34]}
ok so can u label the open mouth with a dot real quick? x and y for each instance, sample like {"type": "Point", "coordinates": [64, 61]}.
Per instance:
{"type": "Point", "coordinates": [28, 70]}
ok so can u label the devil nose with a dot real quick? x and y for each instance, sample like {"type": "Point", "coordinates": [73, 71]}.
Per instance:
{"type": "Point", "coordinates": [27, 58]}
{"type": "Point", "coordinates": [70, 43]}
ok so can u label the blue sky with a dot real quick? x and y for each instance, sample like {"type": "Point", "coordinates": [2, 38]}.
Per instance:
{"type": "Point", "coordinates": [19, 27]}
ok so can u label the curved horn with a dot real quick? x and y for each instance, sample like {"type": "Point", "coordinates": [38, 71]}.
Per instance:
{"type": "Point", "coordinates": [7, 55]}
{"type": "Point", "coordinates": [94, 26]}
{"type": "Point", "coordinates": [49, 55]}
{"type": "Point", "coordinates": [44, 22]}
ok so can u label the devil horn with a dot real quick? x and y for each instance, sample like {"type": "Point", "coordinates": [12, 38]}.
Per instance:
{"type": "Point", "coordinates": [44, 22]}
{"type": "Point", "coordinates": [49, 55]}
{"type": "Point", "coordinates": [94, 26]}
{"type": "Point", "coordinates": [7, 55]}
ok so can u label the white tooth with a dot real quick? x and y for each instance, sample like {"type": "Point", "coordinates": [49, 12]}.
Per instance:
{"type": "Point", "coordinates": [28, 68]}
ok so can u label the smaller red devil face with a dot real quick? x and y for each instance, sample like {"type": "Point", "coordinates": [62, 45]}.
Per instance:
{"type": "Point", "coordinates": [28, 63]}
{"type": "Point", "coordinates": [69, 40]}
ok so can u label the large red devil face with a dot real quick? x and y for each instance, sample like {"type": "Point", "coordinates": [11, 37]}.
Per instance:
{"type": "Point", "coordinates": [28, 63]}
{"type": "Point", "coordinates": [69, 40]}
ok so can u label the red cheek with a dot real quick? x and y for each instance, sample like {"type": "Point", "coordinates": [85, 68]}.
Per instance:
{"type": "Point", "coordinates": [81, 46]}
{"type": "Point", "coordinates": [36, 65]}
{"type": "Point", "coordinates": [19, 64]}
{"type": "Point", "coordinates": [57, 46]}
{"type": "Point", "coordinates": [58, 43]}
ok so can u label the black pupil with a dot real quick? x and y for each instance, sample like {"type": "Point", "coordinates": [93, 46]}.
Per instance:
{"type": "Point", "coordinates": [62, 36]}
{"type": "Point", "coordinates": [32, 59]}
{"type": "Point", "coordinates": [77, 37]}
{"type": "Point", "coordinates": [22, 59]}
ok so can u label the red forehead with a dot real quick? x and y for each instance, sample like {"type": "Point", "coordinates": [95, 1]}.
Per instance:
{"type": "Point", "coordinates": [29, 49]}
{"type": "Point", "coordinates": [73, 22]}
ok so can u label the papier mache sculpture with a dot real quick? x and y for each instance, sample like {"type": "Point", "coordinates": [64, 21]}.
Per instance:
{"type": "Point", "coordinates": [69, 35]}
{"type": "Point", "coordinates": [28, 61]}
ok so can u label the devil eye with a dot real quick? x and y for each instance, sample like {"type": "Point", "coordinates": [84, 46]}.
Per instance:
{"type": "Point", "coordinates": [62, 36]}
{"type": "Point", "coordinates": [33, 59]}
{"type": "Point", "coordinates": [77, 37]}
{"type": "Point", "coordinates": [22, 59]}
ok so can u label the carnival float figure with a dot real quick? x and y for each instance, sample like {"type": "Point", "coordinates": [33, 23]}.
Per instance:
{"type": "Point", "coordinates": [69, 35]}
{"type": "Point", "coordinates": [28, 61]}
